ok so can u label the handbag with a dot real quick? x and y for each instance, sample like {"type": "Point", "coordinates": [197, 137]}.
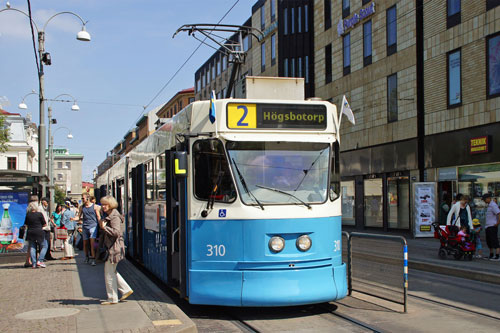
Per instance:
{"type": "Point", "coordinates": [61, 233]}
{"type": "Point", "coordinates": [103, 253]}
{"type": "Point", "coordinates": [23, 232]}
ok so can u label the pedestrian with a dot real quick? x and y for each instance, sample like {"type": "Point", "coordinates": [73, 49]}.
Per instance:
{"type": "Point", "coordinates": [112, 227]}
{"type": "Point", "coordinates": [33, 198]}
{"type": "Point", "coordinates": [462, 213]}
{"type": "Point", "coordinates": [477, 238]}
{"type": "Point", "coordinates": [89, 215]}
{"type": "Point", "coordinates": [35, 222]}
{"type": "Point", "coordinates": [55, 222]}
{"type": "Point", "coordinates": [492, 222]}
{"type": "Point", "coordinates": [69, 224]}
{"type": "Point", "coordinates": [43, 208]}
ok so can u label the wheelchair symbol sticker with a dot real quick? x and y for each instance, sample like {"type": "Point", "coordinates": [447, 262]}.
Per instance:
{"type": "Point", "coordinates": [222, 213]}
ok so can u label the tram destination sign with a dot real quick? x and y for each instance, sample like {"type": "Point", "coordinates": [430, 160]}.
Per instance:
{"type": "Point", "coordinates": [277, 116]}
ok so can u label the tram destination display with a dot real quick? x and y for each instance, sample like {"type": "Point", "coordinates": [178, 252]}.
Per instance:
{"type": "Point", "coordinates": [277, 116]}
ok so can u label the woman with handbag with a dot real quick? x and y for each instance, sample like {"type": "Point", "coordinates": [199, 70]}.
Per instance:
{"type": "Point", "coordinates": [461, 213]}
{"type": "Point", "coordinates": [69, 224]}
{"type": "Point", "coordinates": [113, 242]}
{"type": "Point", "coordinates": [35, 222]}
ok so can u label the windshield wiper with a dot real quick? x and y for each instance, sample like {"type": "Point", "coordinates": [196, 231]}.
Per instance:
{"type": "Point", "coordinates": [283, 192]}
{"type": "Point", "coordinates": [244, 184]}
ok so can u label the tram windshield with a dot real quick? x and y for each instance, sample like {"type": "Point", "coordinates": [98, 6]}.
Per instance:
{"type": "Point", "coordinates": [280, 172]}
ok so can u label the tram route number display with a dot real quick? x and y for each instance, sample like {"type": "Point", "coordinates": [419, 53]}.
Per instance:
{"type": "Point", "coordinates": [277, 116]}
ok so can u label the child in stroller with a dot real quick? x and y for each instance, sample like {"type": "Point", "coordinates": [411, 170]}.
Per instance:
{"type": "Point", "coordinates": [453, 242]}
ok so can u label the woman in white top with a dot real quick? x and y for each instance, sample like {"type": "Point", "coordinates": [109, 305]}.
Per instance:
{"type": "Point", "coordinates": [462, 213]}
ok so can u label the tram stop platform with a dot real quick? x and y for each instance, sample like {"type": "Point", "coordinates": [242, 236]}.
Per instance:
{"type": "Point", "coordinates": [65, 297]}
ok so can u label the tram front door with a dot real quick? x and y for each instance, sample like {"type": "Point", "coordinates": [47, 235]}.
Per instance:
{"type": "Point", "coordinates": [176, 226]}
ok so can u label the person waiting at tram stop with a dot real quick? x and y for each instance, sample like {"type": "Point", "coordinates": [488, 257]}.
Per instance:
{"type": "Point", "coordinates": [460, 214]}
{"type": "Point", "coordinates": [89, 214]}
{"type": "Point", "coordinates": [492, 222]}
{"type": "Point", "coordinates": [35, 221]}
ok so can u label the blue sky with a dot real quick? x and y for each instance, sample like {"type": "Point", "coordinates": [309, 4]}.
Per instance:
{"type": "Point", "coordinates": [131, 57]}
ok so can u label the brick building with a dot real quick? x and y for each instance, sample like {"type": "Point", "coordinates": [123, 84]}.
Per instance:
{"type": "Point", "coordinates": [180, 100]}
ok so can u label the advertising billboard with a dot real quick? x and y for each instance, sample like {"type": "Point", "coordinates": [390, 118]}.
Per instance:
{"type": "Point", "coordinates": [13, 209]}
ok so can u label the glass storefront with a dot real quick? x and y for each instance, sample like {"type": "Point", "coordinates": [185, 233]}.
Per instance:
{"type": "Point", "coordinates": [398, 199]}
{"type": "Point", "coordinates": [374, 203]}
{"type": "Point", "coordinates": [348, 207]}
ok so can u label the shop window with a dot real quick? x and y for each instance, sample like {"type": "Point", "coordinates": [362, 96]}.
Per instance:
{"type": "Point", "coordinates": [212, 179]}
{"type": "Point", "coordinates": [452, 13]}
{"type": "Point", "coordinates": [398, 199]}
{"type": "Point", "coordinates": [346, 42]}
{"type": "Point", "coordinates": [149, 180]}
{"type": "Point", "coordinates": [11, 163]}
{"type": "Point", "coordinates": [263, 57]}
{"type": "Point", "coordinates": [367, 43]}
{"type": "Point", "coordinates": [328, 63]}
{"type": "Point", "coordinates": [273, 49]}
{"type": "Point", "coordinates": [346, 8]}
{"type": "Point", "coordinates": [348, 203]}
{"type": "Point", "coordinates": [490, 4]}
{"type": "Point", "coordinates": [493, 63]}
{"type": "Point", "coordinates": [392, 98]}
{"type": "Point", "coordinates": [327, 6]}
{"type": "Point", "coordinates": [454, 78]}
{"type": "Point", "coordinates": [374, 203]}
{"type": "Point", "coordinates": [392, 35]}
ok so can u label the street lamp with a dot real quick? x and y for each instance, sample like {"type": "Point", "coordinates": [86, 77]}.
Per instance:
{"type": "Point", "coordinates": [51, 163]}
{"type": "Point", "coordinates": [44, 58]}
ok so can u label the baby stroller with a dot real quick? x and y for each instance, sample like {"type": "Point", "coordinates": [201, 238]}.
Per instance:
{"type": "Point", "coordinates": [451, 243]}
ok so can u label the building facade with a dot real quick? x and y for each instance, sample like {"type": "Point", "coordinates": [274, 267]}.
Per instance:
{"type": "Point", "coordinates": [176, 103]}
{"type": "Point", "coordinates": [68, 172]}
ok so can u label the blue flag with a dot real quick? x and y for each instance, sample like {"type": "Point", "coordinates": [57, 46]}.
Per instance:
{"type": "Point", "coordinates": [211, 112]}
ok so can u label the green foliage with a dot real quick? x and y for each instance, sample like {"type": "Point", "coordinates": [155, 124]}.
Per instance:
{"type": "Point", "coordinates": [59, 195]}
{"type": "Point", "coordinates": [4, 134]}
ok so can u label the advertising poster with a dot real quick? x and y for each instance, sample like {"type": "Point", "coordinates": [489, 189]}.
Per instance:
{"type": "Point", "coordinates": [13, 208]}
{"type": "Point", "coordinates": [425, 196]}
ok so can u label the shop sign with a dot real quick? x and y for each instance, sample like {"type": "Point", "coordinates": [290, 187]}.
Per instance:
{"type": "Point", "coordinates": [349, 23]}
{"type": "Point", "coordinates": [425, 197]}
{"type": "Point", "coordinates": [447, 174]}
{"type": "Point", "coordinates": [479, 145]}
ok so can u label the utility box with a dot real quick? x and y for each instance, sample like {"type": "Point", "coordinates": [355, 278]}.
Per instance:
{"type": "Point", "coordinates": [264, 87]}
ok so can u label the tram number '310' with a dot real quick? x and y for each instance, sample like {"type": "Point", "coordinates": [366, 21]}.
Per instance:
{"type": "Point", "coordinates": [336, 246]}
{"type": "Point", "coordinates": [216, 250]}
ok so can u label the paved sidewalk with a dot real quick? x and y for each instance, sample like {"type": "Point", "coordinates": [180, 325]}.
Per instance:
{"type": "Point", "coordinates": [65, 297]}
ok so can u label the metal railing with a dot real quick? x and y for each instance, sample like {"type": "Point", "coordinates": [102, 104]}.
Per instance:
{"type": "Point", "coordinates": [401, 239]}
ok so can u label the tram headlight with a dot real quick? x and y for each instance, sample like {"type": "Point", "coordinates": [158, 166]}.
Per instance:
{"type": "Point", "coordinates": [276, 244]}
{"type": "Point", "coordinates": [303, 243]}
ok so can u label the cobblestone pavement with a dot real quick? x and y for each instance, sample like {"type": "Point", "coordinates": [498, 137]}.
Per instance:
{"type": "Point", "coordinates": [55, 293]}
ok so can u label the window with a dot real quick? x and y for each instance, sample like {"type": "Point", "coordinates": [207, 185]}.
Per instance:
{"type": "Point", "coordinates": [346, 42]}
{"type": "Point", "coordinates": [493, 65]}
{"type": "Point", "coordinates": [334, 192]}
{"type": "Point", "coordinates": [262, 17]}
{"type": "Point", "coordinates": [203, 80]}
{"type": "Point", "coordinates": [490, 4]}
{"type": "Point", "coordinates": [306, 18]}
{"type": "Point", "coordinates": [299, 67]}
{"type": "Point", "coordinates": [374, 202]}
{"type": "Point", "coordinates": [292, 69]}
{"type": "Point", "coordinates": [453, 13]}
{"type": "Point", "coordinates": [273, 49]}
{"type": "Point", "coordinates": [273, 10]}
{"type": "Point", "coordinates": [198, 85]}
{"type": "Point", "coordinates": [285, 21]}
{"type": "Point", "coordinates": [346, 8]}
{"type": "Point", "coordinates": [224, 63]}
{"type": "Point", "coordinates": [398, 201]}
{"type": "Point", "coordinates": [454, 78]}
{"type": "Point", "coordinates": [328, 63]}
{"type": "Point", "coordinates": [292, 22]}
{"type": "Point", "coordinates": [246, 44]}
{"type": "Point", "coordinates": [149, 179]}
{"type": "Point", "coordinates": [68, 165]}
{"type": "Point", "coordinates": [285, 67]}
{"type": "Point", "coordinates": [348, 203]}
{"type": "Point", "coordinates": [364, 2]}
{"type": "Point", "coordinates": [218, 67]}
{"type": "Point", "coordinates": [328, 14]}
{"type": "Point", "coordinates": [213, 70]}
{"type": "Point", "coordinates": [367, 43]}
{"type": "Point", "coordinates": [392, 98]}
{"type": "Point", "coordinates": [391, 23]}
{"type": "Point", "coordinates": [212, 179]}
{"type": "Point", "coordinates": [180, 105]}
{"type": "Point", "coordinates": [11, 163]}
{"type": "Point", "coordinates": [59, 176]}
{"type": "Point", "coordinates": [59, 165]}
{"type": "Point", "coordinates": [307, 69]}
{"type": "Point", "coordinates": [161, 181]}
{"type": "Point", "coordinates": [263, 57]}
{"type": "Point", "coordinates": [299, 20]}
{"type": "Point", "coordinates": [191, 100]}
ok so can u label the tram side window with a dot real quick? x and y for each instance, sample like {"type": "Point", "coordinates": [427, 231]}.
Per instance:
{"type": "Point", "coordinates": [335, 173]}
{"type": "Point", "coordinates": [161, 184]}
{"type": "Point", "coordinates": [212, 179]}
{"type": "Point", "coordinates": [149, 180]}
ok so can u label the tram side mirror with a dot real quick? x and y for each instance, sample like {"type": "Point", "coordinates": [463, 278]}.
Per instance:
{"type": "Point", "coordinates": [180, 164]}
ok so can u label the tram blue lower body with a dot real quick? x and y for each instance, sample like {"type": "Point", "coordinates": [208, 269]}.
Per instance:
{"type": "Point", "coordinates": [246, 273]}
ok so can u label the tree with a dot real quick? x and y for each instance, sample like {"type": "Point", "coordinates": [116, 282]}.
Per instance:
{"type": "Point", "coordinates": [4, 134]}
{"type": "Point", "coordinates": [59, 195]}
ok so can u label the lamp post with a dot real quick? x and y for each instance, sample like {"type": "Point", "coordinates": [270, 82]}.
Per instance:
{"type": "Point", "coordinates": [44, 58]}
{"type": "Point", "coordinates": [51, 162]}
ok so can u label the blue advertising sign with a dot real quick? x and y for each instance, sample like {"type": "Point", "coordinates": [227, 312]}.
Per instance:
{"type": "Point", "coordinates": [13, 205]}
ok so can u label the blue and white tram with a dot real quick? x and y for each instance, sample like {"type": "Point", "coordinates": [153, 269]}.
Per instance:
{"type": "Point", "coordinates": [242, 211]}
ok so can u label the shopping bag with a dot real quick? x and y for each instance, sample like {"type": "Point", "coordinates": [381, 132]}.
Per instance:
{"type": "Point", "coordinates": [61, 233]}
{"type": "Point", "coordinates": [22, 232]}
